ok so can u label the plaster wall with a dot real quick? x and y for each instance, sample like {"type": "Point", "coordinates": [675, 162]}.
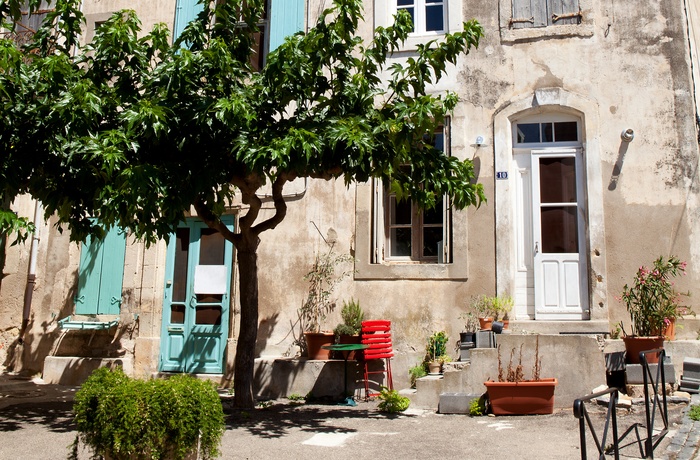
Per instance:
{"type": "Point", "coordinates": [628, 68]}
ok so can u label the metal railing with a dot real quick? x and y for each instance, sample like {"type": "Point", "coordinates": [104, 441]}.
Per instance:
{"type": "Point", "coordinates": [653, 405]}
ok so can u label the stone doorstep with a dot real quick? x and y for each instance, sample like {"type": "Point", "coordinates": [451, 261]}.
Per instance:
{"type": "Point", "coordinates": [691, 383]}
{"type": "Point", "coordinates": [635, 375]}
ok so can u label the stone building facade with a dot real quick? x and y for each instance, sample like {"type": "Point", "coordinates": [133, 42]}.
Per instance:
{"type": "Point", "coordinates": [582, 123]}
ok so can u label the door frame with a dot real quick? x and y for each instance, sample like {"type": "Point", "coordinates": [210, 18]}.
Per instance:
{"type": "Point", "coordinates": [188, 328]}
{"type": "Point", "coordinates": [505, 210]}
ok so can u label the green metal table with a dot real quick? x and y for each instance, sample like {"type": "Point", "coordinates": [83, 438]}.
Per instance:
{"type": "Point", "coordinates": [345, 349]}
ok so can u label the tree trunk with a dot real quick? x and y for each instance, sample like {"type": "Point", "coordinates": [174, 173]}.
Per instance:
{"type": "Point", "coordinates": [248, 328]}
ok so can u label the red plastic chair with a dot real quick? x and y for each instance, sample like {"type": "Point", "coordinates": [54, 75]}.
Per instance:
{"type": "Point", "coordinates": [377, 334]}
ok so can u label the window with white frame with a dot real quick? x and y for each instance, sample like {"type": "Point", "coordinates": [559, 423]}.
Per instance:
{"type": "Point", "coordinates": [403, 232]}
{"type": "Point", "coordinates": [429, 16]}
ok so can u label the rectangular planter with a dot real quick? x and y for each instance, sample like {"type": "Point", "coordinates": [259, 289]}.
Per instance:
{"type": "Point", "coordinates": [521, 398]}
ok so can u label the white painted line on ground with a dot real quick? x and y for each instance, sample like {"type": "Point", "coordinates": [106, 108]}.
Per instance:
{"type": "Point", "coordinates": [328, 439]}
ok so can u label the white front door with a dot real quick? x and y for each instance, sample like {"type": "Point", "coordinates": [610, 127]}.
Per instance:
{"type": "Point", "coordinates": [558, 235]}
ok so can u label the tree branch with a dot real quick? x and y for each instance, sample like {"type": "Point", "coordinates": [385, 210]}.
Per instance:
{"type": "Point", "coordinates": [280, 206]}
{"type": "Point", "coordinates": [214, 222]}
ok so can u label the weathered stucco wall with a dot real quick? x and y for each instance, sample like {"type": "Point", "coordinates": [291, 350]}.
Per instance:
{"type": "Point", "coordinates": [623, 68]}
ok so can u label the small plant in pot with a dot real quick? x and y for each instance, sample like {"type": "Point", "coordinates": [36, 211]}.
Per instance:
{"type": "Point", "coordinates": [653, 305]}
{"type": "Point", "coordinates": [319, 302]}
{"type": "Point", "coordinates": [471, 325]}
{"type": "Point", "coordinates": [349, 330]}
{"type": "Point", "coordinates": [436, 352]}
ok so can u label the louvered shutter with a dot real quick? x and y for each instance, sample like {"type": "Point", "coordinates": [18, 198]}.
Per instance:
{"type": "Point", "coordinates": [185, 12]}
{"type": "Point", "coordinates": [286, 18]}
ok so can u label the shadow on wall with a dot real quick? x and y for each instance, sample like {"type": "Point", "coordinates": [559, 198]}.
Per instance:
{"type": "Point", "coordinates": [617, 169]}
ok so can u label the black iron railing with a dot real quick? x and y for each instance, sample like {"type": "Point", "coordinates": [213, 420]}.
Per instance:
{"type": "Point", "coordinates": [655, 404]}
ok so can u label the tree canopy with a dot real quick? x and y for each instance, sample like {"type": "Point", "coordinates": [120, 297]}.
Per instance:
{"type": "Point", "coordinates": [134, 131]}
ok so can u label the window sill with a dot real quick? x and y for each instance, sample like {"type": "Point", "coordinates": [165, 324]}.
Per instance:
{"type": "Point", "coordinates": [407, 271]}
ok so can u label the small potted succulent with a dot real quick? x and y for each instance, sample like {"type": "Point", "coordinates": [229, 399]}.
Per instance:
{"type": "Point", "coordinates": [349, 330]}
{"type": "Point", "coordinates": [436, 352]}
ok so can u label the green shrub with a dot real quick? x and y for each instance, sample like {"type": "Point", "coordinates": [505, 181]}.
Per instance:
{"type": "Point", "coordinates": [416, 372]}
{"type": "Point", "coordinates": [131, 418]}
{"type": "Point", "coordinates": [392, 401]}
{"type": "Point", "coordinates": [477, 407]}
{"type": "Point", "coordinates": [694, 412]}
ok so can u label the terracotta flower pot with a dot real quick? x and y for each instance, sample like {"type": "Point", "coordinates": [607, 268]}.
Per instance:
{"type": "Point", "coordinates": [635, 344]}
{"type": "Point", "coordinates": [522, 398]}
{"type": "Point", "coordinates": [345, 338]}
{"type": "Point", "coordinates": [485, 322]}
{"type": "Point", "coordinates": [314, 342]}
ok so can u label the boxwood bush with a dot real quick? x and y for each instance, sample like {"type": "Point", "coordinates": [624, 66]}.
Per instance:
{"type": "Point", "coordinates": [127, 418]}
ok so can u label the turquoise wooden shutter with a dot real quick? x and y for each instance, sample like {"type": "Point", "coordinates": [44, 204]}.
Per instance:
{"type": "Point", "coordinates": [287, 18]}
{"type": "Point", "coordinates": [185, 12]}
{"type": "Point", "coordinates": [101, 273]}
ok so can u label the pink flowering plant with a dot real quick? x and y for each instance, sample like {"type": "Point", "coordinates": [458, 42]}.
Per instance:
{"type": "Point", "coordinates": [652, 300]}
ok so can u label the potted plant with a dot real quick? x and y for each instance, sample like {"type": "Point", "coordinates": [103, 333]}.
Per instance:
{"type": "Point", "coordinates": [471, 325]}
{"type": "Point", "coordinates": [436, 352]}
{"type": "Point", "coordinates": [513, 395]}
{"type": "Point", "coordinates": [319, 302]}
{"type": "Point", "coordinates": [349, 330]}
{"type": "Point", "coordinates": [502, 305]}
{"type": "Point", "coordinates": [483, 308]}
{"type": "Point", "coordinates": [653, 305]}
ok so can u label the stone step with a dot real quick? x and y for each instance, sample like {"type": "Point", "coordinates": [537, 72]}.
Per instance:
{"type": "Point", "coordinates": [455, 403]}
{"type": "Point", "coordinates": [428, 389]}
{"type": "Point", "coordinates": [691, 368]}
{"type": "Point", "coordinates": [635, 374]}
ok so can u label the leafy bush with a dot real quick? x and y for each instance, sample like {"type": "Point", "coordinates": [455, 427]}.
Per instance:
{"type": "Point", "coordinates": [352, 315]}
{"type": "Point", "coordinates": [694, 412]}
{"type": "Point", "coordinates": [392, 401]}
{"type": "Point", "coordinates": [130, 418]}
{"type": "Point", "coordinates": [477, 407]}
{"type": "Point", "coordinates": [417, 372]}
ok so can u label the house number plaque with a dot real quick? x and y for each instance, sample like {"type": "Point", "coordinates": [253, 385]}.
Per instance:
{"type": "Point", "coordinates": [501, 175]}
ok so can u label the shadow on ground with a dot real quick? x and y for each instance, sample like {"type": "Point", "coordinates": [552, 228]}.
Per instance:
{"type": "Point", "coordinates": [56, 416]}
{"type": "Point", "coordinates": [278, 419]}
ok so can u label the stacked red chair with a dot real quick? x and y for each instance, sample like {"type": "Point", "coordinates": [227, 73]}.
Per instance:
{"type": "Point", "coordinates": [377, 334]}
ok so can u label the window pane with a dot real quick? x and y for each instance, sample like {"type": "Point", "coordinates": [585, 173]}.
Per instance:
{"type": "Point", "coordinates": [433, 216]}
{"type": "Point", "coordinates": [257, 57]}
{"type": "Point", "coordinates": [547, 133]}
{"type": "Point", "coordinates": [440, 141]}
{"type": "Point", "coordinates": [558, 180]}
{"type": "Point", "coordinates": [405, 2]}
{"type": "Point", "coordinates": [566, 131]}
{"type": "Point", "coordinates": [400, 242]}
{"type": "Point", "coordinates": [431, 237]}
{"type": "Point", "coordinates": [210, 314]}
{"type": "Point", "coordinates": [400, 212]}
{"type": "Point", "coordinates": [211, 247]}
{"type": "Point", "coordinates": [182, 246]}
{"type": "Point", "coordinates": [434, 18]}
{"type": "Point", "coordinates": [528, 133]}
{"type": "Point", "coordinates": [559, 229]}
{"type": "Point", "coordinates": [177, 314]}
{"type": "Point", "coordinates": [210, 298]}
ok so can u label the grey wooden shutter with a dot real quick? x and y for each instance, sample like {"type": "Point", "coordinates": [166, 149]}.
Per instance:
{"type": "Point", "coordinates": [562, 12]}
{"type": "Point", "coordinates": [543, 13]}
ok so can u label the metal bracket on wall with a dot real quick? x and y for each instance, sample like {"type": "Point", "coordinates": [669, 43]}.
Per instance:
{"type": "Point", "coordinates": [556, 17]}
{"type": "Point", "coordinates": [514, 20]}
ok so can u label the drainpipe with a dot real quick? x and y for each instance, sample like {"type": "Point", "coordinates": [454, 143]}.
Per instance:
{"type": "Point", "coordinates": [31, 274]}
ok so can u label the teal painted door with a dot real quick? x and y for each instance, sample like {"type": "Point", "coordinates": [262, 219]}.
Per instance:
{"type": "Point", "coordinates": [196, 299]}
{"type": "Point", "coordinates": [100, 274]}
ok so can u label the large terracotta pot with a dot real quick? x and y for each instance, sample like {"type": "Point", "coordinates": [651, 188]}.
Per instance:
{"type": "Point", "coordinates": [635, 344]}
{"type": "Point", "coordinates": [522, 398]}
{"type": "Point", "coordinates": [314, 342]}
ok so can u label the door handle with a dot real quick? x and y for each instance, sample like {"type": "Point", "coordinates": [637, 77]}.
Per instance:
{"type": "Point", "coordinates": [193, 301]}
{"type": "Point", "coordinates": [537, 247]}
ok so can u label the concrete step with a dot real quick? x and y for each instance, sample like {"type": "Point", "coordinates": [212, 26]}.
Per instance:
{"type": "Point", "coordinates": [455, 403]}
{"type": "Point", "coordinates": [691, 368]}
{"type": "Point", "coordinates": [428, 389]}
{"type": "Point", "coordinates": [635, 374]}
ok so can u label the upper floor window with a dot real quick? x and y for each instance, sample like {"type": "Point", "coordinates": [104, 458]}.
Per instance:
{"type": "Point", "coordinates": [543, 13]}
{"type": "Point", "coordinates": [429, 16]}
{"type": "Point", "coordinates": [280, 19]}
